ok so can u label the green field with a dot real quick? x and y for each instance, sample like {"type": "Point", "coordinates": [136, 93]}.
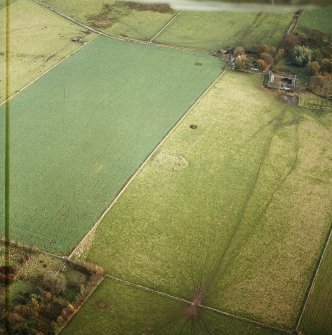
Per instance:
{"type": "Point", "coordinates": [116, 309]}
{"type": "Point", "coordinates": [319, 18]}
{"type": "Point", "coordinates": [200, 30]}
{"type": "Point", "coordinates": [39, 39]}
{"type": "Point", "coordinates": [237, 207]}
{"type": "Point", "coordinates": [214, 30]}
{"type": "Point", "coordinates": [93, 119]}
{"type": "Point", "coordinates": [126, 22]}
{"type": "Point", "coordinates": [317, 317]}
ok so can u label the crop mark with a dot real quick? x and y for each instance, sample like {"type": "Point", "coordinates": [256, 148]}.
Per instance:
{"type": "Point", "coordinates": [250, 193]}
{"type": "Point", "coordinates": [278, 187]}
{"type": "Point", "coordinates": [205, 287]}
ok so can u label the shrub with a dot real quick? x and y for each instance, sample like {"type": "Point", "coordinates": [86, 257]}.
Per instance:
{"type": "Point", "coordinates": [36, 266]}
{"type": "Point", "coordinates": [54, 282]}
{"type": "Point", "coordinates": [280, 54]}
{"type": "Point", "coordinates": [320, 85]}
{"type": "Point", "coordinates": [313, 67]}
{"type": "Point", "coordinates": [267, 58]}
{"type": "Point", "coordinates": [241, 62]}
{"type": "Point", "coordinates": [262, 65]}
{"type": "Point", "coordinates": [290, 42]}
{"type": "Point", "coordinates": [326, 65]}
{"type": "Point", "coordinates": [263, 48]}
{"type": "Point", "coordinates": [238, 51]}
{"type": "Point", "coordinates": [301, 55]}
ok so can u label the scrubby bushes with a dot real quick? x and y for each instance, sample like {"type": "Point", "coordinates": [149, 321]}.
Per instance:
{"type": "Point", "coordinates": [45, 291]}
{"type": "Point", "coordinates": [301, 55]}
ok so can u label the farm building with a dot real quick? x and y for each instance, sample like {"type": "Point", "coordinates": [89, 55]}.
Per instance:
{"type": "Point", "coordinates": [281, 81]}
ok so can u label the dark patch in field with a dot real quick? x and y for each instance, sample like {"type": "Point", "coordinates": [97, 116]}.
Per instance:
{"type": "Point", "coordinates": [193, 126]}
{"type": "Point", "coordinates": [154, 7]}
{"type": "Point", "coordinates": [101, 20]}
{"type": "Point", "coordinates": [102, 305]}
{"type": "Point", "coordinates": [111, 13]}
{"type": "Point", "coordinates": [198, 64]}
{"type": "Point", "coordinates": [296, 119]}
{"type": "Point", "coordinates": [289, 99]}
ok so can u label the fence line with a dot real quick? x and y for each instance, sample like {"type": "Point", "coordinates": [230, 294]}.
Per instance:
{"type": "Point", "coordinates": [312, 283]}
{"type": "Point", "coordinates": [43, 74]}
{"type": "Point", "coordinates": [211, 309]}
{"type": "Point", "coordinates": [166, 25]}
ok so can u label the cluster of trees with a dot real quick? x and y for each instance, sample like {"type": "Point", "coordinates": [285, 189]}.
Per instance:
{"type": "Point", "coordinates": [261, 55]}
{"type": "Point", "coordinates": [45, 297]}
{"type": "Point", "coordinates": [309, 49]}
{"type": "Point", "coordinates": [312, 50]}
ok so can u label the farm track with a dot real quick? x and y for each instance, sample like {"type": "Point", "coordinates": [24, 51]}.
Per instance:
{"type": "Point", "coordinates": [314, 276]}
{"type": "Point", "coordinates": [291, 27]}
{"type": "Point", "coordinates": [125, 39]}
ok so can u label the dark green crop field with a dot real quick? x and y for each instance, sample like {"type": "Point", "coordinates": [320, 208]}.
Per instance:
{"type": "Point", "coordinates": [84, 128]}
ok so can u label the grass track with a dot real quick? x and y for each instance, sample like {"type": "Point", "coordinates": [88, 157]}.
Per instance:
{"type": "Point", "coordinates": [94, 119]}
{"type": "Point", "coordinates": [39, 39]}
{"type": "Point", "coordinates": [249, 165]}
{"type": "Point", "coordinates": [131, 311]}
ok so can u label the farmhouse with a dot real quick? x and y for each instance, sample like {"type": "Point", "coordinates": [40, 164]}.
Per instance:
{"type": "Point", "coordinates": [281, 81]}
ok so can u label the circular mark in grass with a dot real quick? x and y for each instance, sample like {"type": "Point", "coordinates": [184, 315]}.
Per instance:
{"type": "Point", "coordinates": [198, 64]}
{"type": "Point", "coordinates": [193, 126]}
{"type": "Point", "coordinates": [102, 305]}
{"type": "Point", "coordinates": [169, 161]}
